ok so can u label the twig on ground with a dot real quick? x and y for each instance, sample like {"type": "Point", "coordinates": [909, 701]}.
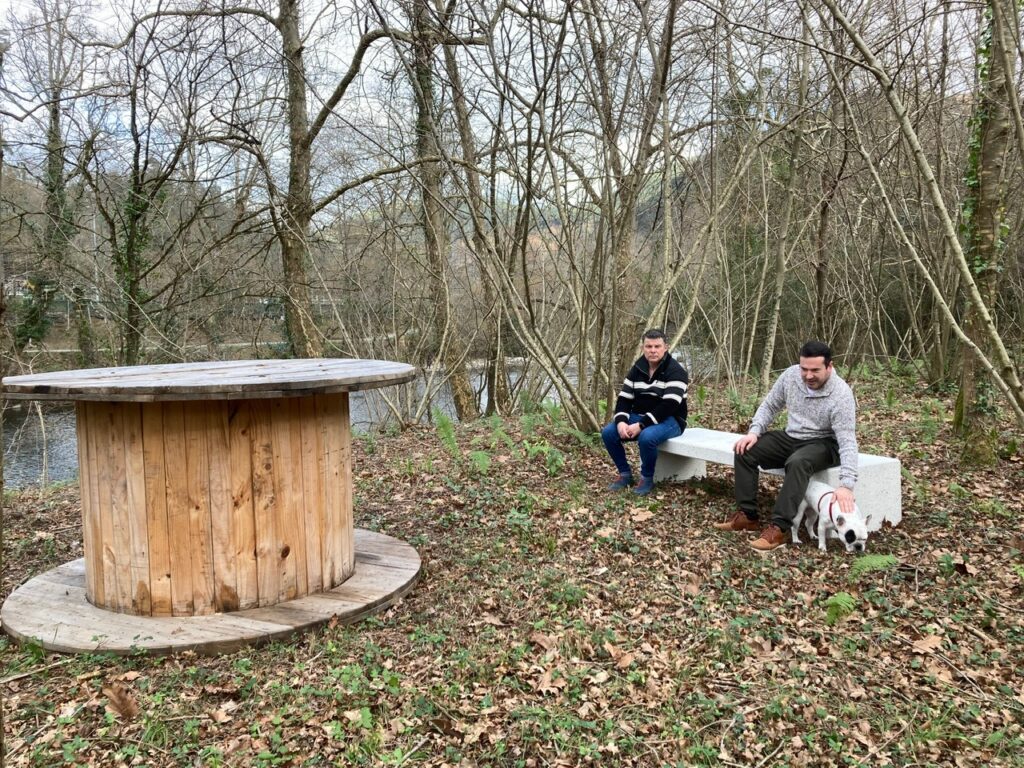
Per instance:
{"type": "Point", "coordinates": [768, 757]}
{"type": "Point", "coordinates": [412, 751]}
{"type": "Point", "coordinates": [35, 671]}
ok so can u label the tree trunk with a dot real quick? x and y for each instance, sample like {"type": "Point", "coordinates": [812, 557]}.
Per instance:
{"type": "Point", "coordinates": [983, 217]}
{"type": "Point", "coordinates": [783, 246]}
{"type": "Point", "coordinates": [297, 212]}
{"type": "Point", "coordinates": [435, 231]}
{"type": "Point", "coordinates": [57, 231]}
{"type": "Point", "coordinates": [498, 394]}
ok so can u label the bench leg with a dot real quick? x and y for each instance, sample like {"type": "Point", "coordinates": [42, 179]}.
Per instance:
{"type": "Point", "coordinates": [677, 468]}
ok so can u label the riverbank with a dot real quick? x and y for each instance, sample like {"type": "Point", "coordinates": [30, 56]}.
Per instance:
{"type": "Point", "coordinates": [556, 624]}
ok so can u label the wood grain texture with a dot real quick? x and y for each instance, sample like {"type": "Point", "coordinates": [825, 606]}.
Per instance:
{"type": "Point", "coordinates": [222, 545]}
{"type": "Point", "coordinates": [92, 533]}
{"type": "Point", "coordinates": [243, 522]}
{"type": "Point", "coordinates": [179, 541]}
{"type": "Point", "coordinates": [311, 447]}
{"type": "Point", "coordinates": [158, 530]}
{"type": "Point", "coordinates": [287, 502]}
{"type": "Point", "coordinates": [135, 512]}
{"type": "Point", "coordinates": [230, 379]}
{"type": "Point", "coordinates": [268, 574]}
{"type": "Point", "coordinates": [106, 481]}
{"type": "Point", "coordinates": [197, 463]}
{"type": "Point", "coordinates": [52, 609]}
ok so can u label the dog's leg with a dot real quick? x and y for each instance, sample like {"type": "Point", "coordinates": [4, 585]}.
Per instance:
{"type": "Point", "coordinates": [810, 523]}
{"type": "Point", "coordinates": [794, 531]}
{"type": "Point", "coordinates": [822, 532]}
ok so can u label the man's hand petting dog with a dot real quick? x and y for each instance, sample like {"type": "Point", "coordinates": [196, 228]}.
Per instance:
{"type": "Point", "coordinates": [844, 498]}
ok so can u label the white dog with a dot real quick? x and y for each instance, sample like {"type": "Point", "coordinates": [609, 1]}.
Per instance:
{"type": "Point", "coordinates": [819, 506]}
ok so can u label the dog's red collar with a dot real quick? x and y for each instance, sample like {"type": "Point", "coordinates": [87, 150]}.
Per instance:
{"type": "Point", "coordinates": [830, 505]}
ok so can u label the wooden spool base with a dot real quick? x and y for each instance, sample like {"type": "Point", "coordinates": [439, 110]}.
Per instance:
{"type": "Point", "coordinates": [51, 609]}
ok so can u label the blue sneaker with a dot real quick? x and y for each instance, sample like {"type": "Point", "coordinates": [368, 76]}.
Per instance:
{"type": "Point", "coordinates": [624, 482]}
{"type": "Point", "coordinates": [645, 487]}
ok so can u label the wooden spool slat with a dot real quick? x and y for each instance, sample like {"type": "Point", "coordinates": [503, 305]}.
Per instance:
{"type": "Point", "coordinates": [176, 491]}
{"type": "Point", "coordinates": [286, 543]}
{"type": "Point", "coordinates": [263, 495]}
{"type": "Point", "coordinates": [218, 447]}
{"type": "Point", "coordinates": [92, 533]}
{"type": "Point", "coordinates": [333, 418]}
{"type": "Point", "coordinates": [243, 518]}
{"type": "Point", "coordinates": [135, 512]}
{"type": "Point", "coordinates": [158, 530]}
{"type": "Point", "coordinates": [296, 523]}
{"type": "Point", "coordinates": [311, 449]}
{"type": "Point", "coordinates": [107, 480]}
{"type": "Point", "coordinates": [197, 463]}
{"type": "Point", "coordinates": [344, 507]}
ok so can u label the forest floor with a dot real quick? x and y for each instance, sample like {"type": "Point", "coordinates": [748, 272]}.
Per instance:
{"type": "Point", "coordinates": [557, 624]}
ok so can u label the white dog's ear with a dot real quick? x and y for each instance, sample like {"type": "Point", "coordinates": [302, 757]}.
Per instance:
{"type": "Point", "coordinates": [840, 522]}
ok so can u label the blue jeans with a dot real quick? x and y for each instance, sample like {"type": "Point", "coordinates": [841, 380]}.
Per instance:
{"type": "Point", "coordinates": [648, 441]}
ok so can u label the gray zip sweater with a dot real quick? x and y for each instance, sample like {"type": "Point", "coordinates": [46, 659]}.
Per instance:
{"type": "Point", "coordinates": [814, 414]}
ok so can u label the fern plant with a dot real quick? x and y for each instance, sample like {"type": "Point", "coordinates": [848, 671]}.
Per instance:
{"type": "Point", "coordinates": [481, 461]}
{"type": "Point", "coordinates": [839, 606]}
{"type": "Point", "coordinates": [446, 433]}
{"type": "Point", "coordinates": [869, 563]}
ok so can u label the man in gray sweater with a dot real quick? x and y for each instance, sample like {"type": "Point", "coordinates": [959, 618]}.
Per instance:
{"type": "Point", "coordinates": [820, 433]}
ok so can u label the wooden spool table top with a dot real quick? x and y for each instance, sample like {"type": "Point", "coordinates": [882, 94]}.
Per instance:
{"type": "Point", "coordinates": [220, 380]}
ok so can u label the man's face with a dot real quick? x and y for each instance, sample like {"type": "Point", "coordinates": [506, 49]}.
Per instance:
{"type": "Point", "coordinates": [654, 350]}
{"type": "Point", "coordinates": [814, 372]}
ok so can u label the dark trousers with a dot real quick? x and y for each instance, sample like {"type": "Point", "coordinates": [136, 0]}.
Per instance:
{"type": "Point", "coordinates": [777, 450]}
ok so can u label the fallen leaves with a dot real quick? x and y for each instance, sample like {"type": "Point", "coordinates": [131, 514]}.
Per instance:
{"type": "Point", "coordinates": [592, 629]}
{"type": "Point", "coordinates": [641, 515]}
{"type": "Point", "coordinates": [927, 644]}
{"type": "Point", "coordinates": [121, 701]}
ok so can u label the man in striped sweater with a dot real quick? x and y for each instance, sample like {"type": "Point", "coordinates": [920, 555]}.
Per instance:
{"type": "Point", "coordinates": [820, 433]}
{"type": "Point", "coordinates": [650, 409]}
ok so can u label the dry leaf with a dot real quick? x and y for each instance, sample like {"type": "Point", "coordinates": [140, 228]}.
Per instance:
{"type": "Point", "coordinates": [544, 641]}
{"type": "Point", "coordinates": [689, 583]}
{"type": "Point", "coordinates": [624, 661]}
{"type": "Point", "coordinates": [928, 644]}
{"type": "Point", "coordinates": [940, 671]}
{"type": "Point", "coordinates": [121, 701]}
{"type": "Point", "coordinates": [641, 515]}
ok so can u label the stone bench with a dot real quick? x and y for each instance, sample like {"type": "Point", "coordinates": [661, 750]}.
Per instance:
{"type": "Point", "coordinates": [878, 477]}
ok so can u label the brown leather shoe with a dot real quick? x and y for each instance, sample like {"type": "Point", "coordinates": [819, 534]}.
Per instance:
{"type": "Point", "coordinates": [771, 538]}
{"type": "Point", "coordinates": [738, 522]}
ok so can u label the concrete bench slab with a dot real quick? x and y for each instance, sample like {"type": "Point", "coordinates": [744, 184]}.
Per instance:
{"type": "Point", "coordinates": [878, 477]}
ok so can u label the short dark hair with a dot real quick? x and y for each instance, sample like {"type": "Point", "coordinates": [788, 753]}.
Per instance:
{"type": "Point", "coordinates": [655, 333]}
{"type": "Point", "coordinates": [817, 349]}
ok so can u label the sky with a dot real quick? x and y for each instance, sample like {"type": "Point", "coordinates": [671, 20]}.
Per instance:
{"type": "Point", "coordinates": [18, 6]}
